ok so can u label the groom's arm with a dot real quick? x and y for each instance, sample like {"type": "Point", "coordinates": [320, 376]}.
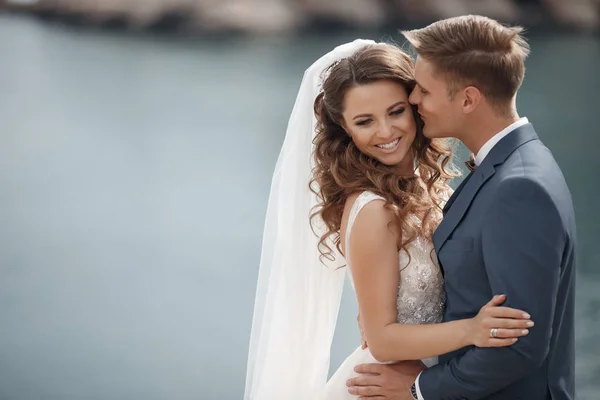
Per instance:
{"type": "Point", "coordinates": [523, 240]}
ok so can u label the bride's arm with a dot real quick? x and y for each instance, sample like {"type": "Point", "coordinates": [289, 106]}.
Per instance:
{"type": "Point", "coordinates": [375, 270]}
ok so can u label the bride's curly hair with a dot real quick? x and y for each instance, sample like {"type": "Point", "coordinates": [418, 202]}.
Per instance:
{"type": "Point", "coordinates": [341, 169]}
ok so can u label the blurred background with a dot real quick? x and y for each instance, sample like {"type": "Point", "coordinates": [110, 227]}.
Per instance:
{"type": "Point", "coordinates": [137, 143]}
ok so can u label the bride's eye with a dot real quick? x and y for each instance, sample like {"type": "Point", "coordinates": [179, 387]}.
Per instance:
{"type": "Point", "coordinates": [398, 111]}
{"type": "Point", "coordinates": [363, 122]}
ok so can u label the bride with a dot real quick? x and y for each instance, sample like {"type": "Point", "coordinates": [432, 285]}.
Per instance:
{"type": "Point", "coordinates": [376, 191]}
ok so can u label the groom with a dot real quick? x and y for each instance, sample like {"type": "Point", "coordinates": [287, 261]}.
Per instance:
{"type": "Point", "coordinates": [508, 229]}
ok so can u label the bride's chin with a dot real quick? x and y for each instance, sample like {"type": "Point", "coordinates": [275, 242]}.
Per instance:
{"type": "Point", "coordinates": [398, 159]}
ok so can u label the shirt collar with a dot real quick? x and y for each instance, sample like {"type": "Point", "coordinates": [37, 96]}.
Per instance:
{"type": "Point", "coordinates": [487, 147]}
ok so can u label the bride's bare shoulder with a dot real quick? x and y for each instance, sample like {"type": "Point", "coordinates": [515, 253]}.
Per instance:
{"type": "Point", "coordinates": [372, 207]}
{"type": "Point", "coordinates": [345, 215]}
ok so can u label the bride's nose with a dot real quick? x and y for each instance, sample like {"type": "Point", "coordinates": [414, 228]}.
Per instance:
{"type": "Point", "coordinates": [385, 130]}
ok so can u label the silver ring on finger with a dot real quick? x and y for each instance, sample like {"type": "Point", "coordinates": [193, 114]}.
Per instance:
{"type": "Point", "coordinates": [494, 332]}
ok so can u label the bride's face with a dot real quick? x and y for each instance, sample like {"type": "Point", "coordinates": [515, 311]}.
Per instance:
{"type": "Point", "coordinates": [380, 121]}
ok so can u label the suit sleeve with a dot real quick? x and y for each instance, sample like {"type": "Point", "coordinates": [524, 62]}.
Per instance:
{"type": "Point", "coordinates": [523, 238]}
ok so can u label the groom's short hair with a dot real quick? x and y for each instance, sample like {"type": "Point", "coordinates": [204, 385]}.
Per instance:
{"type": "Point", "coordinates": [475, 51]}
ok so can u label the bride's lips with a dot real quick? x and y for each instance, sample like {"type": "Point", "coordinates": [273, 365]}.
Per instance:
{"type": "Point", "coordinates": [390, 149]}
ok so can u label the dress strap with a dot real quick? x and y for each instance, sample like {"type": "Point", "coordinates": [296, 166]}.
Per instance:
{"type": "Point", "coordinates": [362, 200]}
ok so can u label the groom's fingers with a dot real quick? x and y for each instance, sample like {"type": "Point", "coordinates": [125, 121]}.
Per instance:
{"type": "Point", "coordinates": [375, 369]}
{"type": "Point", "coordinates": [369, 391]}
{"type": "Point", "coordinates": [364, 381]}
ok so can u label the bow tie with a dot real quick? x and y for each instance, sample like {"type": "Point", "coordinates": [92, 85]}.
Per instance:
{"type": "Point", "coordinates": [471, 163]}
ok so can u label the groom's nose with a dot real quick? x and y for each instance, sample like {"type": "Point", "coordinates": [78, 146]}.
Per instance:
{"type": "Point", "coordinates": [414, 97]}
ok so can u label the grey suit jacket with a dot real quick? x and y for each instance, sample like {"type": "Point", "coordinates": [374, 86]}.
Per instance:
{"type": "Point", "coordinates": [510, 229]}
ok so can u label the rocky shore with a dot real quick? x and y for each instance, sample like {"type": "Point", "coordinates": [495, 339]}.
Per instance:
{"type": "Point", "coordinates": [281, 16]}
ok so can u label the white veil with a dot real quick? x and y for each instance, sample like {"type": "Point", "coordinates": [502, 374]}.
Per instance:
{"type": "Point", "coordinates": [298, 298]}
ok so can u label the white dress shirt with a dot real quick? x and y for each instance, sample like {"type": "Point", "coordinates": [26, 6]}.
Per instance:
{"type": "Point", "coordinates": [479, 157]}
{"type": "Point", "coordinates": [489, 145]}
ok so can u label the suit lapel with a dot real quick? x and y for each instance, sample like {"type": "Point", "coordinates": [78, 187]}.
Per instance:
{"type": "Point", "coordinates": [460, 205]}
{"type": "Point", "coordinates": [456, 193]}
{"type": "Point", "coordinates": [460, 202]}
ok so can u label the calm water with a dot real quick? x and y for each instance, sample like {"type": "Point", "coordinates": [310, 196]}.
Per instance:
{"type": "Point", "coordinates": [134, 174]}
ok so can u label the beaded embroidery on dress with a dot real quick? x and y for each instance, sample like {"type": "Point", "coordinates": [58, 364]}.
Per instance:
{"type": "Point", "coordinates": [421, 298]}
{"type": "Point", "coordinates": [421, 295]}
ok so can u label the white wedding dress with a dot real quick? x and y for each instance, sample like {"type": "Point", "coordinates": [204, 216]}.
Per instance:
{"type": "Point", "coordinates": [421, 299]}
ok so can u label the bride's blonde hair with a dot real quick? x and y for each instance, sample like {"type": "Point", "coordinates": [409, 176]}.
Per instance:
{"type": "Point", "coordinates": [341, 169]}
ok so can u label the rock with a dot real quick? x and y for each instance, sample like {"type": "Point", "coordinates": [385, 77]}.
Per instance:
{"type": "Point", "coordinates": [251, 16]}
{"type": "Point", "coordinates": [283, 16]}
{"type": "Point", "coordinates": [364, 13]}
{"type": "Point", "coordinates": [581, 14]}
{"type": "Point", "coordinates": [501, 10]}
{"type": "Point", "coordinates": [430, 10]}
{"type": "Point", "coordinates": [145, 13]}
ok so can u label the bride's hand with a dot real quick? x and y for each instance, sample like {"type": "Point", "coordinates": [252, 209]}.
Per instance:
{"type": "Point", "coordinates": [507, 324]}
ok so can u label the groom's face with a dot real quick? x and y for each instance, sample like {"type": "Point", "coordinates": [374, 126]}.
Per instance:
{"type": "Point", "coordinates": [437, 110]}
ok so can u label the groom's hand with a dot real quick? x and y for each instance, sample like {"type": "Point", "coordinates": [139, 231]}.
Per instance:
{"type": "Point", "coordinates": [385, 381]}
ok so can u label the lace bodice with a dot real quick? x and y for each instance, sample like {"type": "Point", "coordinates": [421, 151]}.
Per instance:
{"type": "Point", "coordinates": [421, 295]}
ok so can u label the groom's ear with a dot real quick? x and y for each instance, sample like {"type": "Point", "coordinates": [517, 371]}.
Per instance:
{"type": "Point", "coordinates": [471, 97]}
